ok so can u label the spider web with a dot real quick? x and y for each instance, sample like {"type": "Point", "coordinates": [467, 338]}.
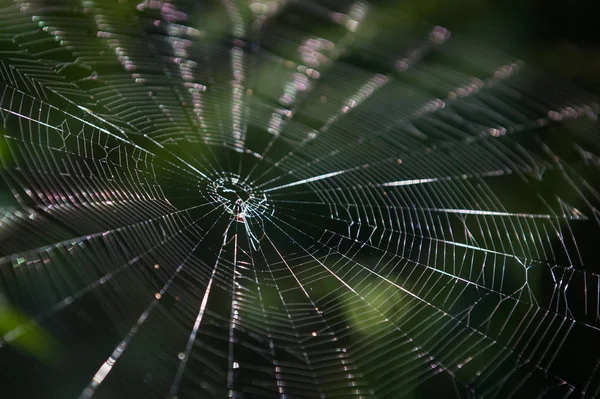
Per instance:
{"type": "Point", "coordinates": [279, 200]}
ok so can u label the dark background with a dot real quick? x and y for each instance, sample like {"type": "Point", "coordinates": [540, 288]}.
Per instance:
{"type": "Point", "coordinates": [561, 37]}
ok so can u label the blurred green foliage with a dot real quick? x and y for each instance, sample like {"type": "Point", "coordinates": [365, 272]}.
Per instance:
{"type": "Point", "coordinates": [26, 335]}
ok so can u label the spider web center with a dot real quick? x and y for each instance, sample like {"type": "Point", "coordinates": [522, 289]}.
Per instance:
{"type": "Point", "coordinates": [231, 190]}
